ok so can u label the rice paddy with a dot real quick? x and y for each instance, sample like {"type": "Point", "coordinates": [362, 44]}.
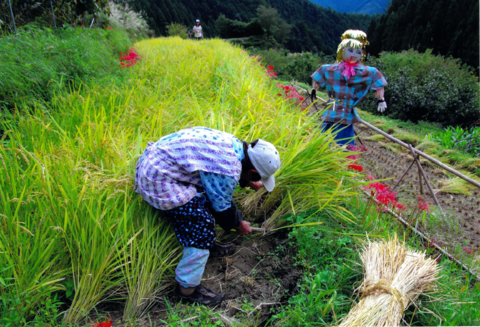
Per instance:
{"type": "Point", "coordinates": [71, 224]}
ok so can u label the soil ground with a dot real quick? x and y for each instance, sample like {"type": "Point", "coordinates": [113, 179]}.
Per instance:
{"type": "Point", "coordinates": [256, 280]}
{"type": "Point", "coordinates": [462, 221]}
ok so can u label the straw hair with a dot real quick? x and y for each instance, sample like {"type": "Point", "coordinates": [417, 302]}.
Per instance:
{"type": "Point", "coordinates": [395, 277]}
{"type": "Point", "coordinates": [352, 39]}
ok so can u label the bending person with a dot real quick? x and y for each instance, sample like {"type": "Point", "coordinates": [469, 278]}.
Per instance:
{"type": "Point", "coordinates": [191, 176]}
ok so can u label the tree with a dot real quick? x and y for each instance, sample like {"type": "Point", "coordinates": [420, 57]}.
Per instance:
{"type": "Point", "coordinates": [175, 29]}
{"type": "Point", "coordinates": [273, 24]}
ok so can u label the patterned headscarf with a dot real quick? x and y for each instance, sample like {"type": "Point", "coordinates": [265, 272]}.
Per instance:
{"type": "Point", "coordinates": [352, 39]}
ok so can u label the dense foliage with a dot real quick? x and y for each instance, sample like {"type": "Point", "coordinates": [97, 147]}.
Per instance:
{"type": "Point", "coordinates": [425, 87]}
{"type": "Point", "coordinates": [448, 27]}
{"type": "Point", "coordinates": [39, 12]}
{"type": "Point", "coordinates": [357, 6]}
{"type": "Point", "coordinates": [313, 28]}
{"type": "Point", "coordinates": [292, 66]}
{"type": "Point", "coordinates": [36, 63]}
{"type": "Point", "coordinates": [466, 140]}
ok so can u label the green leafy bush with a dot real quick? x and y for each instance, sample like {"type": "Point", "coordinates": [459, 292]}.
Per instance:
{"type": "Point", "coordinates": [465, 140]}
{"type": "Point", "coordinates": [292, 66]}
{"type": "Point", "coordinates": [37, 62]}
{"type": "Point", "coordinates": [422, 86]}
{"type": "Point", "coordinates": [175, 29]}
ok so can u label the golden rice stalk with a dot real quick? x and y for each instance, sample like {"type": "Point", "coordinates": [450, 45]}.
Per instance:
{"type": "Point", "coordinates": [394, 277]}
{"type": "Point", "coordinates": [455, 185]}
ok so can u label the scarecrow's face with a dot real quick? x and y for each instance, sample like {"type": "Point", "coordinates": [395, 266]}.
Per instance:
{"type": "Point", "coordinates": [352, 55]}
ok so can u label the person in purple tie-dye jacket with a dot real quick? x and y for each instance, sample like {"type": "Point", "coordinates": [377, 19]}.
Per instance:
{"type": "Point", "coordinates": [191, 176]}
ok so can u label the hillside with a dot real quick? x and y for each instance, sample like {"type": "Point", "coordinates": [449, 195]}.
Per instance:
{"type": "Point", "coordinates": [353, 6]}
{"type": "Point", "coordinates": [313, 28]}
{"type": "Point", "coordinates": [449, 28]}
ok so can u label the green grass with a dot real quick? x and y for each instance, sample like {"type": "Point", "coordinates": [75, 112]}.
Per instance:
{"type": "Point", "coordinates": [72, 224]}
{"type": "Point", "coordinates": [330, 254]}
{"type": "Point", "coordinates": [38, 63]}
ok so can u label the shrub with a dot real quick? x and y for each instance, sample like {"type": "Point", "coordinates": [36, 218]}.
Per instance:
{"type": "Point", "coordinates": [36, 63]}
{"type": "Point", "coordinates": [292, 66]}
{"type": "Point", "coordinates": [422, 86]}
{"type": "Point", "coordinates": [124, 17]}
{"type": "Point", "coordinates": [175, 29]}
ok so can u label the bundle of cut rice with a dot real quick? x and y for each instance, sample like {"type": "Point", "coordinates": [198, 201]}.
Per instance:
{"type": "Point", "coordinates": [395, 277]}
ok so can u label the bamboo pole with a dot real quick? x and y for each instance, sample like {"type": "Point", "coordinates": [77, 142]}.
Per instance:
{"type": "Point", "coordinates": [406, 223]}
{"type": "Point", "coordinates": [405, 173]}
{"type": "Point", "coordinates": [53, 16]}
{"type": "Point", "coordinates": [13, 18]}
{"type": "Point", "coordinates": [420, 168]}
{"type": "Point", "coordinates": [426, 156]}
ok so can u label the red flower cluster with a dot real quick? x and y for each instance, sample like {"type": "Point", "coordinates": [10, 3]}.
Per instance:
{"type": "Point", "coordinates": [354, 148]}
{"type": "Point", "coordinates": [467, 250]}
{"type": "Point", "coordinates": [270, 71]}
{"type": "Point", "coordinates": [109, 28]}
{"type": "Point", "coordinates": [291, 93]}
{"type": "Point", "coordinates": [104, 324]}
{"type": "Point", "coordinates": [422, 205]}
{"type": "Point", "coordinates": [378, 187]}
{"type": "Point", "coordinates": [355, 167]}
{"type": "Point", "coordinates": [130, 58]}
{"type": "Point", "coordinates": [384, 196]}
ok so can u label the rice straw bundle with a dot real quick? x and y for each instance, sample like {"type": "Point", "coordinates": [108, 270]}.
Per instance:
{"type": "Point", "coordinates": [395, 277]}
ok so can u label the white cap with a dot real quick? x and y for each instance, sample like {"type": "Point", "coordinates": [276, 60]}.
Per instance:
{"type": "Point", "coordinates": [197, 21]}
{"type": "Point", "coordinates": [266, 160]}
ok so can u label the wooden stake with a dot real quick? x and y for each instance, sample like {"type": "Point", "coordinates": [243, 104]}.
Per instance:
{"type": "Point", "coordinates": [405, 173]}
{"type": "Point", "coordinates": [419, 165]}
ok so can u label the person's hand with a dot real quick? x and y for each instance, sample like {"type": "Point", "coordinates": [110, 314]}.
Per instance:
{"type": "Point", "coordinates": [244, 228]}
{"type": "Point", "coordinates": [382, 106]}
{"type": "Point", "coordinates": [256, 185]}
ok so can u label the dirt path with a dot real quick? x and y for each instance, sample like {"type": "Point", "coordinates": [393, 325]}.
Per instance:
{"type": "Point", "coordinates": [460, 227]}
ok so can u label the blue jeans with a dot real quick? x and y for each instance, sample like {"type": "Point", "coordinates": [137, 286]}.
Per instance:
{"type": "Point", "coordinates": [345, 133]}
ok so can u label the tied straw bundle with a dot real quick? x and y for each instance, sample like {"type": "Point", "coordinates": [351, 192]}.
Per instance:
{"type": "Point", "coordinates": [395, 277]}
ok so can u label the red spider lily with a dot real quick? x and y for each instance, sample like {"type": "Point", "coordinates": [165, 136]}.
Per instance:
{"type": "Point", "coordinates": [370, 177]}
{"type": "Point", "coordinates": [422, 205]}
{"type": "Point", "coordinates": [378, 187]}
{"type": "Point", "coordinates": [270, 67]}
{"type": "Point", "coordinates": [109, 28]}
{"type": "Point", "coordinates": [387, 197]}
{"type": "Point", "coordinates": [399, 205]}
{"type": "Point", "coordinates": [355, 167]}
{"type": "Point", "coordinates": [104, 324]}
{"type": "Point", "coordinates": [467, 250]}
{"type": "Point", "coordinates": [352, 157]}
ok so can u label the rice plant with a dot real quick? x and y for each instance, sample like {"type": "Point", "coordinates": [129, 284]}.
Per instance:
{"type": "Point", "coordinates": [66, 190]}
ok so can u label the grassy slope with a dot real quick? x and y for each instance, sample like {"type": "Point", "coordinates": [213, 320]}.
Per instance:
{"type": "Point", "coordinates": [73, 225]}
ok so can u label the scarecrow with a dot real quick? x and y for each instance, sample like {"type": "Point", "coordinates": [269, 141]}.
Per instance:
{"type": "Point", "coordinates": [191, 176]}
{"type": "Point", "coordinates": [348, 82]}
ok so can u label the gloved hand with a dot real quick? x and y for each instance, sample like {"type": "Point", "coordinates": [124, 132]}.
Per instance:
{"type": "Point", "coordinates": [382, 106]}
{"type": "Point", "coordinates": [313, 95]}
